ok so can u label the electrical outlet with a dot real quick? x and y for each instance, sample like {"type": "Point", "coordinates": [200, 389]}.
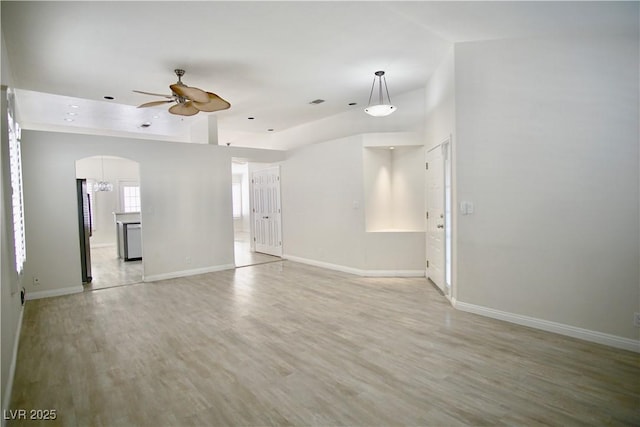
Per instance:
{"type": "Point", "coordinates": [187, 260]}
{"type": "Point", "coordinates": [636, 319]}
{"type": "Point", "coordinates": [36, 281]}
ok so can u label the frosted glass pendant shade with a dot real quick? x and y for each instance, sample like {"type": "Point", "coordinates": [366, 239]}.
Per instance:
{"type": "Point", "coordinates": [380, 110]}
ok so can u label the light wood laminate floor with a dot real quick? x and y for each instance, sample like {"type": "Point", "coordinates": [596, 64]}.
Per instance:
{"type": "Point", "coordinates": [108, 270]}
{"type": "Point", "coordinates": [243, 254]}
{"type": "Point", "coordinates": [289, 344]}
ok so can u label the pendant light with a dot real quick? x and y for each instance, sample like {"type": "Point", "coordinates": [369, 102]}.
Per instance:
{"type": "Point", "coordinates": [380, 109]}
{"type": "Point", "coordinates": [102, 185]}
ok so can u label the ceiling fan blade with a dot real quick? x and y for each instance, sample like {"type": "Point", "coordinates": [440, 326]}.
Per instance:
{"type": "Point", "coordinates": [191, 93]}
{"type": "Point", "coordinates": [154, 103]}
{"type": "Point", "coordinates": [153, 94]}
{"type": "Point", "coordinates": [215, 103]}
{"type": "Point", "coordinates": [186, 109]}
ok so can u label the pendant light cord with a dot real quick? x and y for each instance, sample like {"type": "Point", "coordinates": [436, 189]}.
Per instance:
{"type": "Point", "coordinates": [373, 85]}
{"type": "Point", "coordinates": [386, 88]}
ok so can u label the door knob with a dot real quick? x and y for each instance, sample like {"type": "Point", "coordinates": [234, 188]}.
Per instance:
{"type": "Point", "coordinates": [440, 225]}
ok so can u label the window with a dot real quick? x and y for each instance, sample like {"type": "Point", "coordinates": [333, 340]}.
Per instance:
{"type": "Point", "coordinates": [92, 203]}
{"type": "Point", "coordinates": [130, 198]}
{"type": "Point", "coordinates": [17, 203]}
{"type": "Point", "coordinates": [236, 198]}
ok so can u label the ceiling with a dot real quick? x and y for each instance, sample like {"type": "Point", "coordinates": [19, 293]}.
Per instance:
{"type": "Point", "coordinates": [269, 59]}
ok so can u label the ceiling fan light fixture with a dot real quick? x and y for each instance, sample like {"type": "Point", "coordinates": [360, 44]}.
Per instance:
{"type": "Point", "coordinates": [188, 100]}
{"type": "Point", "coordinates": [381, 108]}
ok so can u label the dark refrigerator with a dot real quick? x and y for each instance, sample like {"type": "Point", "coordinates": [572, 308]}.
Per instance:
{"type": "Point", "coordinates": [84, 224]}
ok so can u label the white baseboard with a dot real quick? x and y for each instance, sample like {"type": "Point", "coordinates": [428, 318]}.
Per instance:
{"type": "Point", "coordinates": [103, 245]}
{"type": "Point", "coordinates": [356, 271]}
{"type": "Point", "coordinates": [558, 328]}
{"type": "Point", "coordinates": [184, 273]}
{"type": "Point", "coordinates": [393, 273]}
{"type": "Point", "coordinates": [12, 368]}
{"type": "Point", "coordinates": [54, 292]}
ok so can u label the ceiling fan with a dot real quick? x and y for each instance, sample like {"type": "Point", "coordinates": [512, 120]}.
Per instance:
{"type": "Point", "coordinates": [189, 100]}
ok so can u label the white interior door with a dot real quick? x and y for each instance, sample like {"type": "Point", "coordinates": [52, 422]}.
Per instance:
{"type": "Point", "coordinates": [267, 218]}
{"type": "Point", "coordinates": [435, 217]}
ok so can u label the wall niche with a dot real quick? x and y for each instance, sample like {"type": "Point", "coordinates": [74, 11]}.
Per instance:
{"type": "Point", "coordinates": [393, 167]}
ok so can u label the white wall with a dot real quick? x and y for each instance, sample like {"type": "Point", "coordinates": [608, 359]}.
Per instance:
{"type": "Point", "coordinates": [547, 149]}
{"type": "Point", "coordinates": [105, 203]}
{"type": "Point", "coordinates": [377, 176]}
{"type": "Point", "coordinates": [10, 296]}
{"type": "Point", "coordinates": [11, 308]}
{"type": "Point", "coordinates": [322, 196]}
{"type": "Point", "coordinates": [186, 206]}
{"type": "Point", "coordinates": [440, 113]}
{"type": "Point", "coordinates": [440, 123]}
{"type": "Point", "coordinates": [323, 213]}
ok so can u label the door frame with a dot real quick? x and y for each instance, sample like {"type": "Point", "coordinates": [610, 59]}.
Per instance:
{"type": "Point", "coordinates": [447, 181]}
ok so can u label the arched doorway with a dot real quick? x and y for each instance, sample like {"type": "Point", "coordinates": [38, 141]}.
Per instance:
{"type": "Point", "coordinates": [110, 222]}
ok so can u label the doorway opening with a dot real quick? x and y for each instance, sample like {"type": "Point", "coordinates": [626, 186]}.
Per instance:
{"type": "Point", "coordinates": [109, 220]}
{"type": "Point", "coordinates": [243, 200]}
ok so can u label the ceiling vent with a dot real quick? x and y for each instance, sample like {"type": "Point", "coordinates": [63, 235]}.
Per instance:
{"type": "Point", "coordinates": [317, 101]}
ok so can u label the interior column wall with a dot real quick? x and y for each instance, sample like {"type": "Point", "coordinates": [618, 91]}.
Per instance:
{"type": "Point", "coordinates": [322, 202]}
{"type": "Point", "coordinates": [186, 206]}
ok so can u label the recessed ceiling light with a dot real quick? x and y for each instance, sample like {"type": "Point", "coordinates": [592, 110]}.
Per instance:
{"type": "Point", "coordinates": [392, 148]}
{"type": "Point", "coordinates": [269, 130]}
{"type": "Point", "coordinates": [73, 106]}
{"type": "Point", "coordinates": [251, 118]}
{"type": "Point", "coordinates": [156, 117]}
{"type": "Point", "coordinates": [71, 113]}
{"type": "Point", "coordinates": [353, 103]}
{"type": "Point", "coordinates": [67, 119]}
{"type": "Point", "coordinates": [317, 101]}
{"type": "Point", "coordinates": [109, 97]}
{"type": "Point", "coordinates": [145, 124]}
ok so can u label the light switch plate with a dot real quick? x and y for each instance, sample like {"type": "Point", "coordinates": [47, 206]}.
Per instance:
{"type": "Point", "coordinates": [466, 208]}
